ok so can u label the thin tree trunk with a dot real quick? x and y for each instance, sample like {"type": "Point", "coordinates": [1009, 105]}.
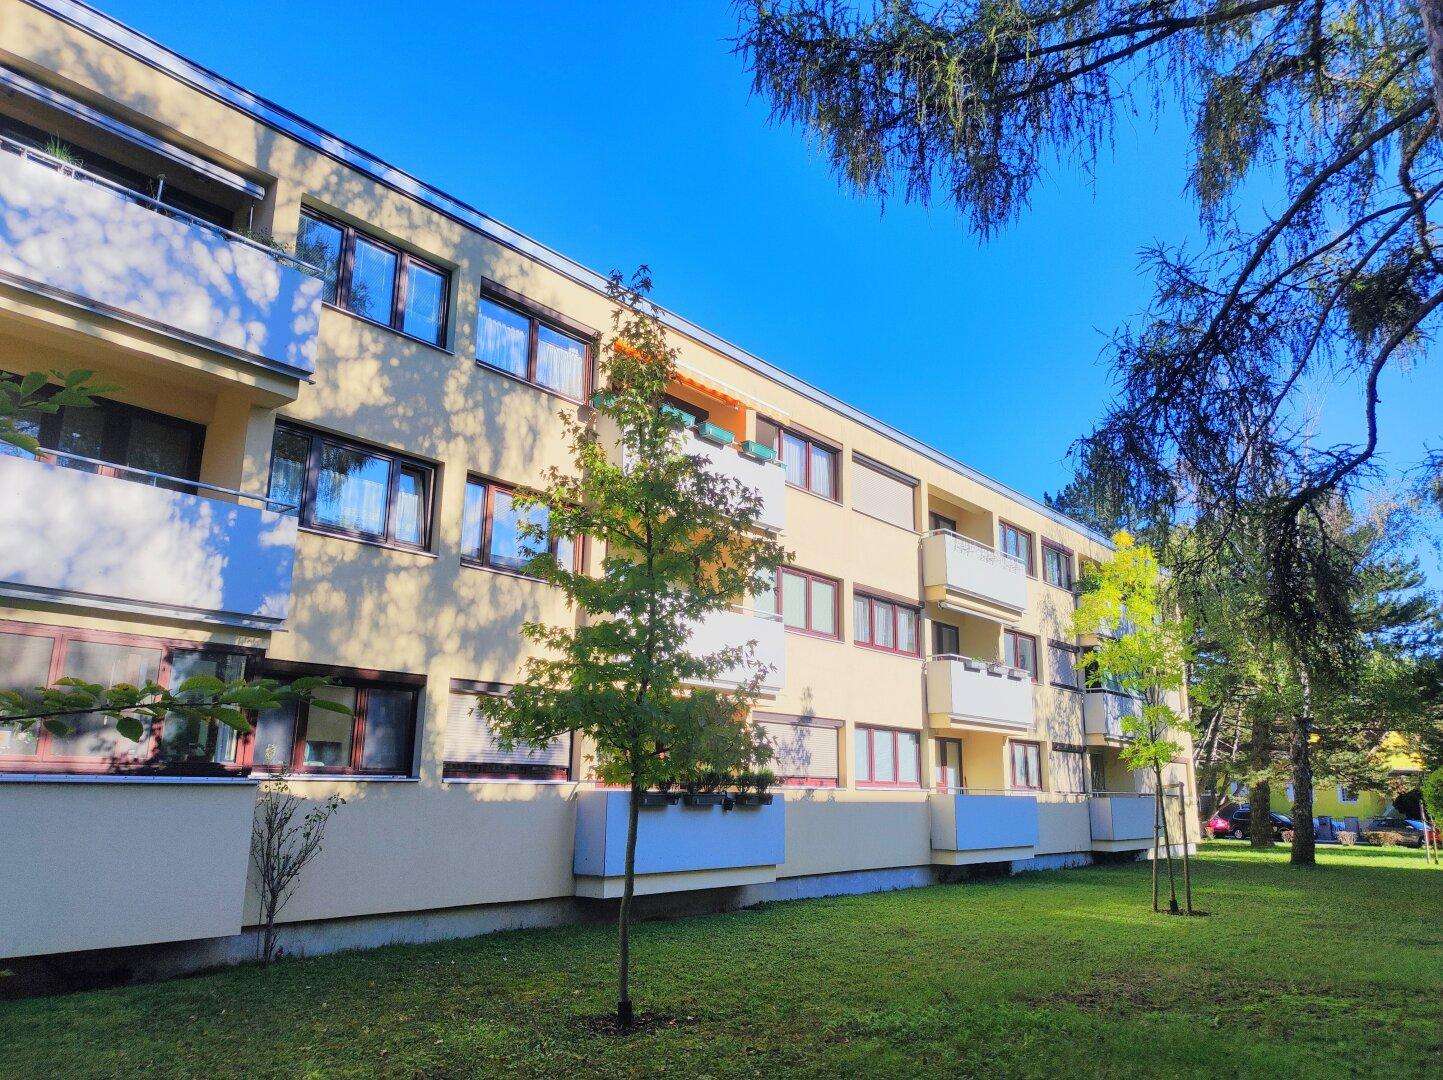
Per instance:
{"type": "Point", "coordinates": [1186, 860]}
{"type": "Point", "coordinates": [1166, 842]}
{"type": "Point", "coordinates": [1305, 840]}
{"type": "Point", "coordinates": [624, 1015]}
{"type": "Point", "coordinates": [1157, 813]}
{"type": "Point", "coordinates": [1260, 796]}
{"type": "Point", "coordinates": [1432, 12]}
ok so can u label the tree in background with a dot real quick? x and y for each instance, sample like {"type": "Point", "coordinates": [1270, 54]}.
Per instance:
{"type": "Point", "coordinates": [680, 543]}
{"type": "Point", "coordinates": [1142, 651]}
{"type": "Point", "coordinates": [1337, 105]}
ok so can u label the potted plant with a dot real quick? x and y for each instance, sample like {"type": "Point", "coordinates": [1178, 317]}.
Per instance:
{"type": "Point", "coordinates": [662, 796]}
{"type": "Point", "coordinates": [703, 790]}
{"type": "Point", "coordinates": [752, 788]}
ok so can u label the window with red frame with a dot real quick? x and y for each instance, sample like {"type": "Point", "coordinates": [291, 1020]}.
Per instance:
{"type": "Point", "coordinates": [1056, 565]}
{"type": "Point", "coordinates": [1015, 542]}
{"type": "Point", "coordinates": [1020, 651]}
{"type": "Point", "coordinates": [376, 738]}
{"type": "Point", "coordinates": [809, 463]}
{"type": "Point", "coordinates": [32, 656]}
{"type": "Point", "coordinates": [1026, 765]}
{"type": "Point", "coordinates": [885, 624]}
{"type": "Point", "coordinates": [491, 530]}
{"type": "Point", "coordinates": [808, 603]}
{"type": "Point", "coordinates": [887, 757]}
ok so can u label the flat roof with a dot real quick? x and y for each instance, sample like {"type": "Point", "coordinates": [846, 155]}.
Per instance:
{"type": "Point", "coordinates": [149, 51]}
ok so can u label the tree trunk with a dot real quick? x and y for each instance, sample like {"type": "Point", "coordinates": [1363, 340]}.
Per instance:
{"type": "Point", "coordinates": [1166, 841]}
{"type": "Point", "coordinates": [1186, 859]}
{"type": "Point", "coordinates": [1157, 814]}
{"type": "Point", "coordinates": [1260, 796]}
{"type": "Point", "coordinates": [624, 1014]}
{"type": "Point", "coordinates": [1300, 751]}
{"type": "Point", "coordinates": [1432, 12]}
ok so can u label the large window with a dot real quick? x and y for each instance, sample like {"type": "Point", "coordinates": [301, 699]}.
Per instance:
{"type": "Point", "coordinates": [1026, 760]}
{"type": "Point", "coordinates": [885, 624]}
{"type": "Point", "coordinates": [530, 347]}
{"type": "Point", "coordinates": [805, 748]}
{"type": "Point", "coordinates": [887, 757]}
{"type": "Point", "coordinates": [1020, 651]}
{"type": "Point", "coordinates": [351, 489]}
{"type": "Point", "coordinates": [807, 602]}
{"type": "Point", "coordinates": [473, 752]}
{"type": "Point", "coordinates": [376, 737]}
{"type": "Point", "coordinates": [491, 530]}
{"type": "Point", "coordinates": [1065, 663]}
{"type": "Point", "coordinates": [33, 656]}
{"type": "Point", "coordinates": [1056, 565]}
{"type": "Point", "coordinates": [1016, 542]}
{"type": "Point", "coordinates": [374, 280]}
{"type": "Point", "coordinates": [810, 464]}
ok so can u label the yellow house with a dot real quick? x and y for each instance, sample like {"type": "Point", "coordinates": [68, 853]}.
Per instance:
{"type": "Point", "coordinates": [1341, 801]}
{"type": "Point", "coordinates": [307, 467]}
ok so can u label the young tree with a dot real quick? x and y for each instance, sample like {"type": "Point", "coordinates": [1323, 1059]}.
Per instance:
{"type": "Point", "coordinates": [1143, 651]}
{"type": "Point", "coordinates": [283, 842]}
{"type": "Point", "coordinates": [680, 542]}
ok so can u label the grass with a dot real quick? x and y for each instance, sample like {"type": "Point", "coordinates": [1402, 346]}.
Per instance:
{"type": "Point", "coordinates": [1335, 970]}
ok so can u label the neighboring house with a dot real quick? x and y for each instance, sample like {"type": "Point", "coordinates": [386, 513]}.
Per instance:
{"type": "Point", "coordinates": [309, 469]}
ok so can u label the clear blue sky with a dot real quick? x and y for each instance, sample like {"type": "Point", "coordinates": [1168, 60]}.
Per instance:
{"type": "Point", "coordinates": [626, 133]}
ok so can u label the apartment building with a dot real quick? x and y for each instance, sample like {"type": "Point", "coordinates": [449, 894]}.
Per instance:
{"type": "Point", "coordinates": [307, 466]}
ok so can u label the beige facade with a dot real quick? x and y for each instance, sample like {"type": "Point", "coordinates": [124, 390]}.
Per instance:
{"type": "Point", "coordinates": [416, 612]}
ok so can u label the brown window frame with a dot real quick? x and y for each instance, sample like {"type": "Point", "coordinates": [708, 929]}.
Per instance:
{"type": "Point", "coordinates": [466, 771]}
{"type": "Point", "coordinates": [1049, 547]}
{"type": "Point", "coordinates": [1036, 670]}
{"type": "Point", "coordinates": [809, 576]}
{"type": "Point", "coordinates": [1076, 651]}
{"type": "Point", "coordinates": [871, 730]}
{"type": "Point", "coordinates": [306, 511]}
{"type": "Point", "coordinates": [894, 609]}
{"type": "Point", "coordinates": [539, 315]}
{"type": "Point", "coordinates": [481, 558]}
{"type": "Point", "coordinates": [404, 259]}
{"type": "Point", "coordinates": [146, 761]}
{"type": "Point", "coordinates": [1031, 562]}
{"type": "Point", "coordinates": [1033, 753]}
{"type": "Point", "coordinates": [811, 441]}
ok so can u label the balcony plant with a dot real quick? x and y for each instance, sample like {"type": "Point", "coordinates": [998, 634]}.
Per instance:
{"type": "Point", "coordinates": [678, 542]}
{"type": "Point", "coordinates": [752, 788]}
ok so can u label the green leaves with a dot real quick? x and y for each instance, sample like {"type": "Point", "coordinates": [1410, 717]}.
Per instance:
{"type": "Point", "coordinates": [33, 393]}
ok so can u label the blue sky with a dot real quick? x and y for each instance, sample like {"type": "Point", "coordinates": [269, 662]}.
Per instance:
{"type": "Point", "coordinates": [622, 134]}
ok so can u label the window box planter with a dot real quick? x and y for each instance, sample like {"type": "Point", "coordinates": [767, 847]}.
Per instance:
{"type": "Point", "coordinates": [1016, 673]}
{"type": "Point", "coordinates": [752, 799]}
{"type": "Point", "coordinates": [712, 433]}
{"type": "Point", "coordinates": [758, 451]}
{"type": "Point", "coordinates": [685, 417]}
{"type": "Point", "coordinates": [704, 798]}
{"type": "Point", "coordinates": [651, 800]}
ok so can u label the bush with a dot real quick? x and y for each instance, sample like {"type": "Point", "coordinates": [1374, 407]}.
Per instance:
{"type": "Point", "coordinates": [1433, 794]}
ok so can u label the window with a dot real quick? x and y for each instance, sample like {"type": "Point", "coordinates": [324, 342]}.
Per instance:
{"type": "Point", "coordinates": [946, 640]}
{"type": "Point", "coordinates": [886, 757]}
{"type": "Point", "coordinates": [374, 280]}
{"type": "Point", "coordinates": [376, 738]}
{"type": "Point", "coordinates": [949, 765]}
{"type": "Point", "coordinates": [473, 751]}
{"type": "Point", "coordinates": [941, 523]}
{"type": "Point", "coordinates": [491, 530]}
{"type": "Point", "coordinates": [1056, 565]}
{"type": "Point", "coordinates": [1347, 794]}
{"type": "Point", "coordinates": [1026, 765]}
{"type": "Point", "coordinates": [521, 344]}
{"type": "Point", "coordinates": [884, 624]}
{"type": "Point", "coordinates": [809, 464]}
{"type": "Point", "coordinates": [807, 602]}
{"type": "Point", "coordinates": [32, 656]}
{"type": "Point", "coordinates": [1063, 658]}
{"type": "Point", "coordinates": [1020, 651]}
{"type": "Point", "coordinates": [805, 748]}
{"type": "Point", "coordinates": [882, 493]}
{"type": "Point", "coordinates": [1015, 542]}
{"type": "Point", "coordinates": [351, 490]}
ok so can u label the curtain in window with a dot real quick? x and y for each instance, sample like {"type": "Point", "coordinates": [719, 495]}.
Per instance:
{"type": "Point", "coordinates": [502, 337]}
{"type": "Point", "coordinates": [351, 490]}
{"type": "Point", "coordinates": [560, 362]}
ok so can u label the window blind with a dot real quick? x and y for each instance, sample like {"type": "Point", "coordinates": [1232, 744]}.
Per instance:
{"type": "Point", "coordinates": [881, 495]}
{"type": "Point", "coordinates": [803, 752]}
{"type": "Point", "coordinates": [469, 740]}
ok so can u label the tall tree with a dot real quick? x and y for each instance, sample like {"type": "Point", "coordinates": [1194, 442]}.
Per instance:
{"type": "Point", "coordinates": [680, 542]}
{"type": "Point", "coordinates": [1336, 104]}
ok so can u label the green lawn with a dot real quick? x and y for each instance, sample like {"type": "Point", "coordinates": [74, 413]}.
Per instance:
{"type": "Point", "coordinates": [1334, 971]}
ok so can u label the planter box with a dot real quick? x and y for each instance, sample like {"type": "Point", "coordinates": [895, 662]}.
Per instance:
{"type": "Point", "coordinates": [758, 451]}
{"type": "Point", "coordinates": [714, 434]}
{"type": "Point", "coordinates": [982, 828]}
{"type": "Point", "coordinates": [678, 848]}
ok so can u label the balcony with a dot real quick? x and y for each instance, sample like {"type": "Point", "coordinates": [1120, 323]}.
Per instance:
{"type": "Point", "coordinates": [1103, 712]}
{"type": "Point", "coordinates": [765, 477]}
{"type": "Point", "coordinates": [1121, 821]}
{"type": "Point", "coordinates": [967, 693]}
{"type": "Point", "coordinates": [958, 569]}
{"type": "Point", "coordinates": [81, 239]}
{"type": "Point", "coordinates": [982, 827]}
{"type": "Point", "coordinates": [98, 538]}
{"type": "Point", "coordinates": [737, 626]}
{"type": "Point", "coordinates": [678, 848]}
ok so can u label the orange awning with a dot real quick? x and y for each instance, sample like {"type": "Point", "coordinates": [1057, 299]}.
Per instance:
{"type": "Point", "coordinates": [709, 390]}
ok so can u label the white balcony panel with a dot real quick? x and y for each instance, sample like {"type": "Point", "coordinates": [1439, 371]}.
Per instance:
{"type": "Point", "coordinates": [766, 477]}
{"type": "Point", "coordinates": [728, 629]}
{"type": "Point", "coordinates": [100, 540]}
{"type": "Point", "coordinates": [970, 694]}
{"type": "Point", "coordinates": [86, 243]}
{"type": "Point", "coordinates": [966, 568]}
{"type": "Point", "coordinates": [1122, 820]}
{"type": "Point", "coordinates": [1103, 712]}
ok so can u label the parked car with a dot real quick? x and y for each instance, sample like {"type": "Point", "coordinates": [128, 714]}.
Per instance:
{"type": "Point", "coordinates": [1238, 823]}
{"type": "Point", "coordinates": [1407, 832]}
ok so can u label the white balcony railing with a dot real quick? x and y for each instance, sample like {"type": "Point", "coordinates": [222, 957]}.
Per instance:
{"type": "Point", "coordinates": [108, 542]}
{"type": "Point", "coordinates": [765, 477]}
{"type": "Point", "coordinates": [1103, 712]}
{"type": "Point", "coordinates": [968, 568]}
{"type": "Point", "coordinates": [78, 237]}
{"type": "Point", "coordinates": [1121, 818]}
{"type": "Point", "coordinates": [975, 693]}
{"type": "Point", "coordinates": [738, 626]}
{"type": "Point", "coordinates": [982, 826]}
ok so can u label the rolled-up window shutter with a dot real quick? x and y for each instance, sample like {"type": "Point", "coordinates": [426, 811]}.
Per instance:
{"type": "Point", "coordinates": [803, 752]}
{"type": "Point", "coordinates": [881, 495]}
{"type": "Point", "coordinates": [470, 741]}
